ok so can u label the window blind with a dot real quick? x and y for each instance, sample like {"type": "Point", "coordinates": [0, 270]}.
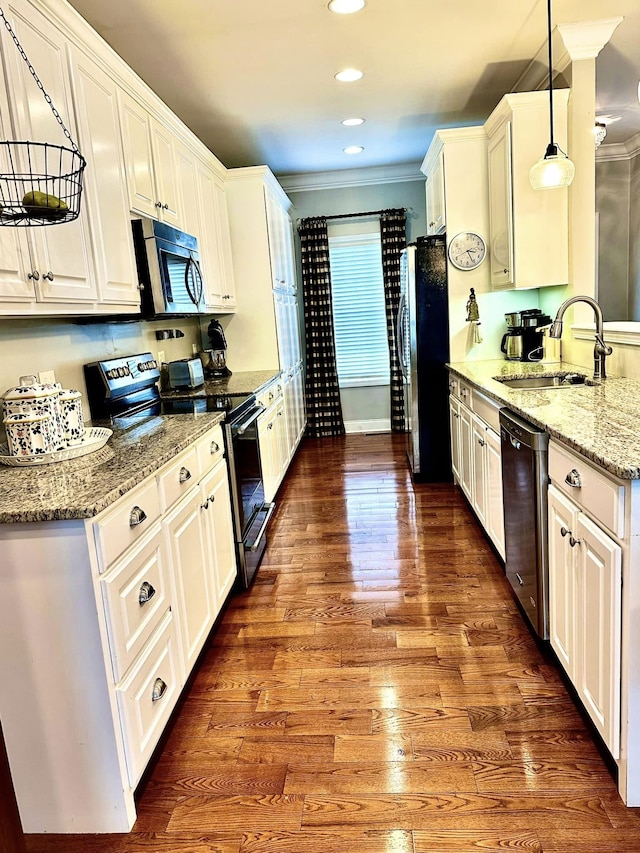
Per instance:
{"type": "Point", "coordinates": [360, 325]}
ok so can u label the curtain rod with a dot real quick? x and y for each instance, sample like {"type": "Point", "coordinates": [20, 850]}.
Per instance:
{"type": "Point", "coordinates": [364, 213]}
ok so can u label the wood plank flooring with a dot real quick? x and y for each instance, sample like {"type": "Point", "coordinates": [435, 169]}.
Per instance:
{"type": "Point", "coordinates": [376, 691]}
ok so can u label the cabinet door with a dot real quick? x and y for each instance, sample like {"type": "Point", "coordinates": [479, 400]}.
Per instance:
{"type": "Point", "coordinates": [163, 145]}
{"type": "Point", "coordinates": [208, 238]}
{"type": "Point", "coordinates": [300, 408]}
{"type": "Point", "coordinates": [478, 495]}
{"type": "Point", "coordinates": [184, 529]}
{"type": "Point", "coordinates": [466, 452]}
{"type": "Point", "coordinates": [562, 580]}
{"type": "Point", "coordinates": [62, 253]}
{"type": "Point", "coordinates": [223, 244]}
{"type": "Point", "coordinates": [598, 616]}
{"type": "Point", "coordinates": [435, 197]}
{"type": "Point", "coordinates": [501, 208]}
{"type": "Point", "coordinates": [106, 193]}
{"type": "Point", "coordinates": [493, 485]}
{"type": "Point", "coordinates": [454, 430]}
{"type": "Point", "coordinates": [136, 138]}
{"type": "Point", "coordinates": [187, 181]}
{"type": "Point", "coordinates": [219, 527]}
{"type": "Point", "coordinates": [275, 227]}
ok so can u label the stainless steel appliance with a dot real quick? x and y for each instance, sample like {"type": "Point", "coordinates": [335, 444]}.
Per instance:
{"type": "Point", "coordinates": [511, 344]}
{"type": "Point", "coordinates": [169, 270]}
{"type": "Point", "coordinates": [125, 391]}
{"type": "Point", "coordinates": [524, 338]}
{"type": "Point", "coordinates": [524, 483]}
{"type": "Point", "coordinates": [185, 373]}
{"type": "Point", "coordinates": [423, 350]}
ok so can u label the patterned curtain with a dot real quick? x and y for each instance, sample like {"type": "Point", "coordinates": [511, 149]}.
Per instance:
{"type": "Point", "coordinates": [393, 238]}
{"type": "Point", "coordinates": [324, 411]}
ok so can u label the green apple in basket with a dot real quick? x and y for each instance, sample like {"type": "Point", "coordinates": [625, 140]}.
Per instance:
{"type": "Point", "coordinates": [44, 205]}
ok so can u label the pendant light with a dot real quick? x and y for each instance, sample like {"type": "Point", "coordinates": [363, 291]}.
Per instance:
{"type": "Point", "coordinates": [555, 169]}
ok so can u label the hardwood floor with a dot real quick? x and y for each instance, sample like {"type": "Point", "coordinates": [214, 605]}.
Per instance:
{"type": "Point", "coordinates": [375, 691]}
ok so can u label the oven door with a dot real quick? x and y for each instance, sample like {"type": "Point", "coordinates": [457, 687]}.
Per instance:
{"type": "Point", "coordinates": [251, 512]}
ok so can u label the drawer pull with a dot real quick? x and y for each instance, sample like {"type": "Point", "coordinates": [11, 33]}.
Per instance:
{"type": "Point", "coordinates": [573, 479]}
{"type": "Point", "coordinates": [564, 531]}
{"type": "Point", "coordinates": [270, 396]}
{"type": "Point", "coordinates": [463, 392]}
{"type": "Point", "coordinates": [146, 593]}
{"type": "Point", "coordinates": [185, 474]}
{"type": "Point", "coordinates": [159, 689]}
{"type": "Point", "coordinates": [137, 516]}
{"type": "Point", "coordinates": [573, 542]}
{"type": "Point", "coordinates": [211, 498]}
{"type": "Point", "coordinates": [214, 447]}
{"type": "Point", "coordinates": [205, 505]}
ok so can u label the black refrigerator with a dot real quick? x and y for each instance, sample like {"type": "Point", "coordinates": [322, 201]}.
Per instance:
{"type": "Point", "coordinates": [423, 344]}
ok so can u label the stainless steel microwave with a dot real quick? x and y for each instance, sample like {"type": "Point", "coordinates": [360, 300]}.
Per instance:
{"type": "Point", "coordinates": [169, 270]}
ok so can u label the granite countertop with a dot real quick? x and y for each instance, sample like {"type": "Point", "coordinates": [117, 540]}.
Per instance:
{"type": "Point", "coordinates": [599, 421]}
{"type": "Point", "coordinates": [247, 382]}
{"type": "Point", "coordinates": [83, 487]}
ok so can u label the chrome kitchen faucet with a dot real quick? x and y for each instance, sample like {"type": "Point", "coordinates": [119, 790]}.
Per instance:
{"type": "Point", "coordinates": [600, 350]}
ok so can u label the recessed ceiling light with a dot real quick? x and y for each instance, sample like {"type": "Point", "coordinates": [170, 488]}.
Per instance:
{"type": "Point", "coordinates": [346, 7]}
{"type": "Point", "coordinates": [353, 149]}
{"type": "Point", "coordinates": [352, 122]}
{"type": "Point", "coordinates": [349, 75]}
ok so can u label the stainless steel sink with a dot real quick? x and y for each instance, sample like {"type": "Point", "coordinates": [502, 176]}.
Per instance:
{"type": "Point", "coordinates": [544, 383]}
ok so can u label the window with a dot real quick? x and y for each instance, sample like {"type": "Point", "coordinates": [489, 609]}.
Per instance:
{"type": "Point", "coordinates": [359, 319]}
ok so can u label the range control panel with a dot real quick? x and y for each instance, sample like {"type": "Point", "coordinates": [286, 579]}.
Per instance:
{"type": "Point", "coordinates": [122, 372]}
{"type": "Point", "coordinates": [118, 382]}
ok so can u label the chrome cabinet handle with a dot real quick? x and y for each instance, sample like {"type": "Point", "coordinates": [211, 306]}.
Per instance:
{"type": "Point", "coordinates": [456, 415]}
{"type": "Point", "coordinates": [159, 689]}
{"type": "Point", "coordinates": [270, 426]}
{"type": "Point", "coordinates": [137, 516]}
{"type": "Point", "coordinates": [205, 505]}
{"type": "Point", "coordinates": [48, 276]}
{"type": "Point", "coordinates": [159, 204]}
{"type": "Point", "coordinates": [573, 479]}
{"type": "Point", "coordinates": [463, 392]}
{"type": "Point", "coordinates": [145, 593]}
{"type": "Point", "coordinates": [212, 498]}
{"type": "Point", "coordinates": [165, 207]}
{"type": "Point", "coordinates": [214, 447]}
{"type": "Point", "coordinates": [573, 542]}
{"type": "Point", "coordinates": [481, 442]}
{"type": "Point", "coordinates": [185, 474]}
{"type": "Point", "coordinates": [270, 396]}
{"type": "Point", "coordinates": [34, 274]}
{"type": "Point", "coordinates": [564, 531]}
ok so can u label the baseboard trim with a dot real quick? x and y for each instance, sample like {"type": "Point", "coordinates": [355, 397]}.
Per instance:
{"type": "Point", "coordinates": [376, 425]}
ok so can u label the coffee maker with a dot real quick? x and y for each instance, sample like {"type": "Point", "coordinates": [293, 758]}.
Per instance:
{"type": "Point", "coordinates": [523, 340]}
{"type": "Point", "coordinates": [214, 359]}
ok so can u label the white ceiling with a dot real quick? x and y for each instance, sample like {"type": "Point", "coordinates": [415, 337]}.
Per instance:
{"type": "Point", "coordinates": [254, 79]}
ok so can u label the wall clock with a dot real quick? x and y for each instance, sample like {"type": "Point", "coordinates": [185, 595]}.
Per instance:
{"type": "Point", "coordinates": [467, 250]}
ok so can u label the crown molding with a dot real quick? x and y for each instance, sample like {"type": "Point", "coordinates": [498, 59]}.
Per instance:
{"type": "Point", "coordinates": [585, 40]}
{"type": "Point", "coordinates": [619, 150]}
{"type": "Point", "coordinates": [369, 176]}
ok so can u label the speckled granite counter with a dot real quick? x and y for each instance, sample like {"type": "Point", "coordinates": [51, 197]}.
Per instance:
{"type": "Point", "coordinates": [600, 421]}
{"type": "Point", "coordinates": [247, 382]}
{"type": "Point", "coordinates": [83, 487]}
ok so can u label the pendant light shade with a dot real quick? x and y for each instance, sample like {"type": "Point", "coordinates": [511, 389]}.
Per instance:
{"type": "Point", "coordinates": [551, 171]}
{"type": "Point", "coordinates": [554, 169]}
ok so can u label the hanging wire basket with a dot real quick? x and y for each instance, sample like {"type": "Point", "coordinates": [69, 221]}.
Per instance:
{"type": "Point", "coordinates": [40, 183]}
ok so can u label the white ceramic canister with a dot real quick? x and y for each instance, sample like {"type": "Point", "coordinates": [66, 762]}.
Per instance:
{"type": "Point", "coordinates": [29, 434]}
{"type": "Point", "coordinates": [31, 398]}
{"type": "Point", "coordinates": [72, 418]}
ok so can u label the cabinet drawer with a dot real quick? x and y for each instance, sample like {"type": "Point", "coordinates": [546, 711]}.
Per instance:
{"type": "Point", "coordinates": [125, 522]}
{"type": "Point", "coordinates": [487, 409]}
{"type": "Point", "coordinates": [269, 394]}
{"type": "Point", "coordinates": [463, 392]}
{"type": "Point", "coordinates": [146, 698]}
{"type": "Point", "coordinates": [210, 450]}
{"type": "Point", "coordinates": [175, 479]}
{"type": "Point", "coordinates": [135, 595]}
{"type": "Point", "coordinates": [593, 490]}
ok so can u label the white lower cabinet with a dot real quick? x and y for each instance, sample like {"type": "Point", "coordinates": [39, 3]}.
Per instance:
{"type": "Point", "coordinates": [102, 621]}
{"type": "Point", "coordinates": [585, 601]}
{"type": "Point", "coordinates": [476, 465]}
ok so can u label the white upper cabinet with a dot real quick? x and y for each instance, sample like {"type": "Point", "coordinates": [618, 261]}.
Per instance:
{"type": "Point", "coordinates": [434, 188]}
{"type": "Point", "coordinates": [214, 240]}
{"type": "Point", "coordinates": [528, 229]}
{"type": "Point", "coordinates": [95, 95]}
{"type": "Point", "coordinates": [150, 155]}
{"type": "Point", "coordinates": [57, 259]}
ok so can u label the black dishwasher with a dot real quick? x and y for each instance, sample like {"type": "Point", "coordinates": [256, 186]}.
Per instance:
{"type": "Point", "coordinates": [525, 478]}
